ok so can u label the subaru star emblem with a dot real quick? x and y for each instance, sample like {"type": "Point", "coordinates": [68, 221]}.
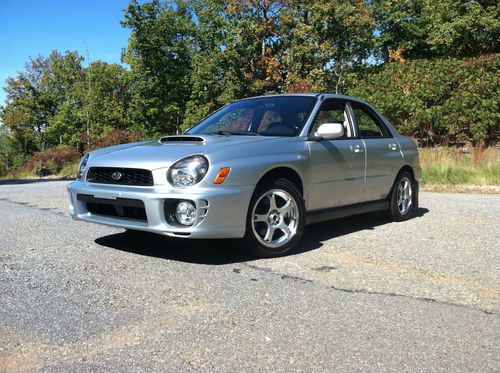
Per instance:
{"type": "Point", "coordinates": [116, 175]}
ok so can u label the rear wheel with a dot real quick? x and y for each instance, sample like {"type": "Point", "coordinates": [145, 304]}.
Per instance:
{"type": "Point", "coordinates": [403, 197]}
{"type": "Point", "coordinates": [275, 220]}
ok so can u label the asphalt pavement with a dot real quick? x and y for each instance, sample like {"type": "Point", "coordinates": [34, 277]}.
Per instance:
{"type": "Point", "coordinates": [360, 294]}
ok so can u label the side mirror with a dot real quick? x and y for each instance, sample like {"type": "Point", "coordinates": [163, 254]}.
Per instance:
{"type": "Point", "coordinates": [329, 131]}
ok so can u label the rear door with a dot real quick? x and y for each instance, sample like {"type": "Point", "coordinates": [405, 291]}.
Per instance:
{"type": "Point", "coordinates": [337, 166]}
{"type": "Point", "coordinates": [383, 155]}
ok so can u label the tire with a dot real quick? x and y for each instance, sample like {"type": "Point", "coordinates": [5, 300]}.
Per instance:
{"type": "Point", "coordinates": [404, 197]}
{"type": "Point", "coordinates": [275, 219]}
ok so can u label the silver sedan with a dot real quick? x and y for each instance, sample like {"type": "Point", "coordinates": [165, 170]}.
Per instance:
{"type": "Point", "coordinates": [258, 169]}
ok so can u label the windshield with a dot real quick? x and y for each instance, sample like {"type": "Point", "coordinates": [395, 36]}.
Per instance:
{"type": "Point", "coordinates": [268, 116]}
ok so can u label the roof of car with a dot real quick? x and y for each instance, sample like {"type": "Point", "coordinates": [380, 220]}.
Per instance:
{"type": "Point", "coordinates": [311, 94]}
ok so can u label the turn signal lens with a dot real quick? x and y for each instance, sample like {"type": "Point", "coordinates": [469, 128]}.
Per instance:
{"type": "Point", "coordinates": [221, 175]}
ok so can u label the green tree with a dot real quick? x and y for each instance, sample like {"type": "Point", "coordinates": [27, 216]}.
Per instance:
{"type": "Point", "coordinates": [216, 76]}
{"type": "Point", "coordinates": [326, 40]}
{"type": "Point", "coordinates": [7, 155]}
{"type": "Point", "coordinates": [159, 54]}
{"type": "Point", "coordinates": [249, 47]}
{"type": "Point", "coordinates": [444, 101]}
{"type": "Point", "coordinates": [55, 101]}
{"type": "Point", "coordinates": [34, 96]}
{"type": "Point", "coordinates": [96, 104]}
{"type": "Point", "coordinates": [232, 54]}
{"type": "Point", "coordinates": [437, 28]}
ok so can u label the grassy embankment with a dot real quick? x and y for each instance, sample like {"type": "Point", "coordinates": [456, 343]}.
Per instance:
{"type": "Point", "coordinates": [451, 169]}
{"type": "Point", "coordinates": [67, 172]}
{"type": "Point", "coordinates": [443, 169]}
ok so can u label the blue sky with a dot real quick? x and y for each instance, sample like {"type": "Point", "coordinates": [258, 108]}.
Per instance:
{"type": "Point", "coordinates": [34, 27]}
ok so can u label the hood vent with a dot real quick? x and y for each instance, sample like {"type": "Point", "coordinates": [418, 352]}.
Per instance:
{"type": "Point", "coordinates": [167, 139]}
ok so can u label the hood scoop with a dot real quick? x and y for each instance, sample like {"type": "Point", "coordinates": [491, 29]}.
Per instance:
{"type": "Point", "coordinates": [178, 139]}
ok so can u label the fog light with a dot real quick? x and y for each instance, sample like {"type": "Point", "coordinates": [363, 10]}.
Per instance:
{"type": "Point", "coordinates": [185, 212]}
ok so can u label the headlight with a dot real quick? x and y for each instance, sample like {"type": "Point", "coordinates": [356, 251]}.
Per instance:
{"type": "Point", "coordinates": [188, 171]}
{"type": "Point", "coordinates": [82, 166]}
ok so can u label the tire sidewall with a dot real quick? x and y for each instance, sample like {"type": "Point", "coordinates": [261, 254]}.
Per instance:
{"type": "Point", "coordinates": [252, 243]}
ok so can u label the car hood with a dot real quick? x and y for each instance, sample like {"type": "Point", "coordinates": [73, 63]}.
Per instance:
{"type": "Point", "coordinates": [152, 155]}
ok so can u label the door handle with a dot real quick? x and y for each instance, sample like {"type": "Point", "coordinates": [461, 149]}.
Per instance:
{"type": "Point", "coordinates": [393, 146]}
{"type": "Point", "coordinates": [356, 149]}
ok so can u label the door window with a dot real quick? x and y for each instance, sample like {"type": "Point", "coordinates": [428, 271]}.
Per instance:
{"type": "Point", "coordinates": [333, 112]}
{"type": "Point", "coordinates": [368, 125]}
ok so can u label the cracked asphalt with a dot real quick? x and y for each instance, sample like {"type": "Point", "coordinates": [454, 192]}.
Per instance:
{"type": "Point", "coordinates": [360, 294]}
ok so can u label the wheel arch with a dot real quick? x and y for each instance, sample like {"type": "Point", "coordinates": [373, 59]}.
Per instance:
{"type": "Point", "coordinates": [408, 168]}
{"type": "Point", "coordinates": [282, 172]}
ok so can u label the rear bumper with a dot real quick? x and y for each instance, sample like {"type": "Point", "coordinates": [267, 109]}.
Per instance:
{"type": "Point", "coordinates": [221, 211]}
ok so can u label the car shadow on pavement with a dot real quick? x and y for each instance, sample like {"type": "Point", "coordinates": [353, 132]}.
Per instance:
{"type": "Point", "coordinates": [227, 251]}
{"type": "Point", "coordinates": [316, 234]}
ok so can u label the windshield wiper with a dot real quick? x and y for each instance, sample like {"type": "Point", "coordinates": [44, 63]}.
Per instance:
{"type": "Point", "coordinates": [228, 133]}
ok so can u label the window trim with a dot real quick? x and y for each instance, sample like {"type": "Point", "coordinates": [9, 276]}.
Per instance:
{"type": "Point", "coordinates": [387, 134]}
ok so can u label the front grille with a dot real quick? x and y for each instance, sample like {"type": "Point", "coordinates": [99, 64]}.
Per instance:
{"type": "Point", "coordinates": [126, 208]}
{"type": "Point", "coordinates": [122, 176]}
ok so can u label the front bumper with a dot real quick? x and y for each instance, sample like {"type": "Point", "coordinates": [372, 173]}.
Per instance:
{"type": "Point", "coordinates": [221, 210]}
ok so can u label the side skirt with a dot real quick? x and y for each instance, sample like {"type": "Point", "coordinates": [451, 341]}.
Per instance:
{"type": "Point", "coordinates": [343, 211]}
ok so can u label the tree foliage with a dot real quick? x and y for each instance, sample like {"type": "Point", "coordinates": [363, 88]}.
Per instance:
{"type": "Point", "coordinates": [430, 65]}
{"type": "Point", "coordinates": [159, 55]}
{"type": "Point", "coordinates": [437, 28]}
{"type": "Point", "coordinates": [56, 100]}
{"type": "Point", "coordinates": [440, 102]}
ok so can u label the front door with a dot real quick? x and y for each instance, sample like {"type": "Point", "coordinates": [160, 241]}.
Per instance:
{"type": "Point", "coordinates": [337, 166]}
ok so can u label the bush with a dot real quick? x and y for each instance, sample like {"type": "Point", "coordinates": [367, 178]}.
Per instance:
{"type": "Point", "coordinates": [114, 137]}
{"type": "Point", "coordinates": [438, 102]}
{"type": "Point", "coordinates": [51, 161]}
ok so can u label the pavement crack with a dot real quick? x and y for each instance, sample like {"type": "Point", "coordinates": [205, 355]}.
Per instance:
{"type": "Point", "coordinates": [368, 292]}
{"type": "Point", "coordinates": [50, 210]}
{"type": "Point", "coordinates": [283, 276]}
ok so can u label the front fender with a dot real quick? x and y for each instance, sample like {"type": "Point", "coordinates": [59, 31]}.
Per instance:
{"type": "Point", "coordinates": [249, 162]}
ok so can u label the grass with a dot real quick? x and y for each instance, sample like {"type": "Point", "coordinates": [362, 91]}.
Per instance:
{"type": "Point", "coordinates": [452, 166]}
{"type": "Point", "coordinates": [67, 172]}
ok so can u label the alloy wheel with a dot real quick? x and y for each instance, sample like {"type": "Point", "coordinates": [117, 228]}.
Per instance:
{"type": "Point", "coordinates": [404, 197]}
{"type": "Point", "coordinates": [275, 218]}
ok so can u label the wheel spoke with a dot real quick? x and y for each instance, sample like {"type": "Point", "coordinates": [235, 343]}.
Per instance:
{"type": "Point", "coordinates": [260, 218]}
{"type": "Point", "coordinates": [286, 208]}
{"type": "Point", "coordinates": [285, 229]}
{"type": "Point", "coordinates": [269, 233]}
{"type": "Point", "coordinates": [272, 202]}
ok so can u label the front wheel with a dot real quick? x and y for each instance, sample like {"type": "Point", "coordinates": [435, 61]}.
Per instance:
{"type": "Point", "coordinates": [403, 198]}
{"type": "Point", "coordinates": [276, 219]}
